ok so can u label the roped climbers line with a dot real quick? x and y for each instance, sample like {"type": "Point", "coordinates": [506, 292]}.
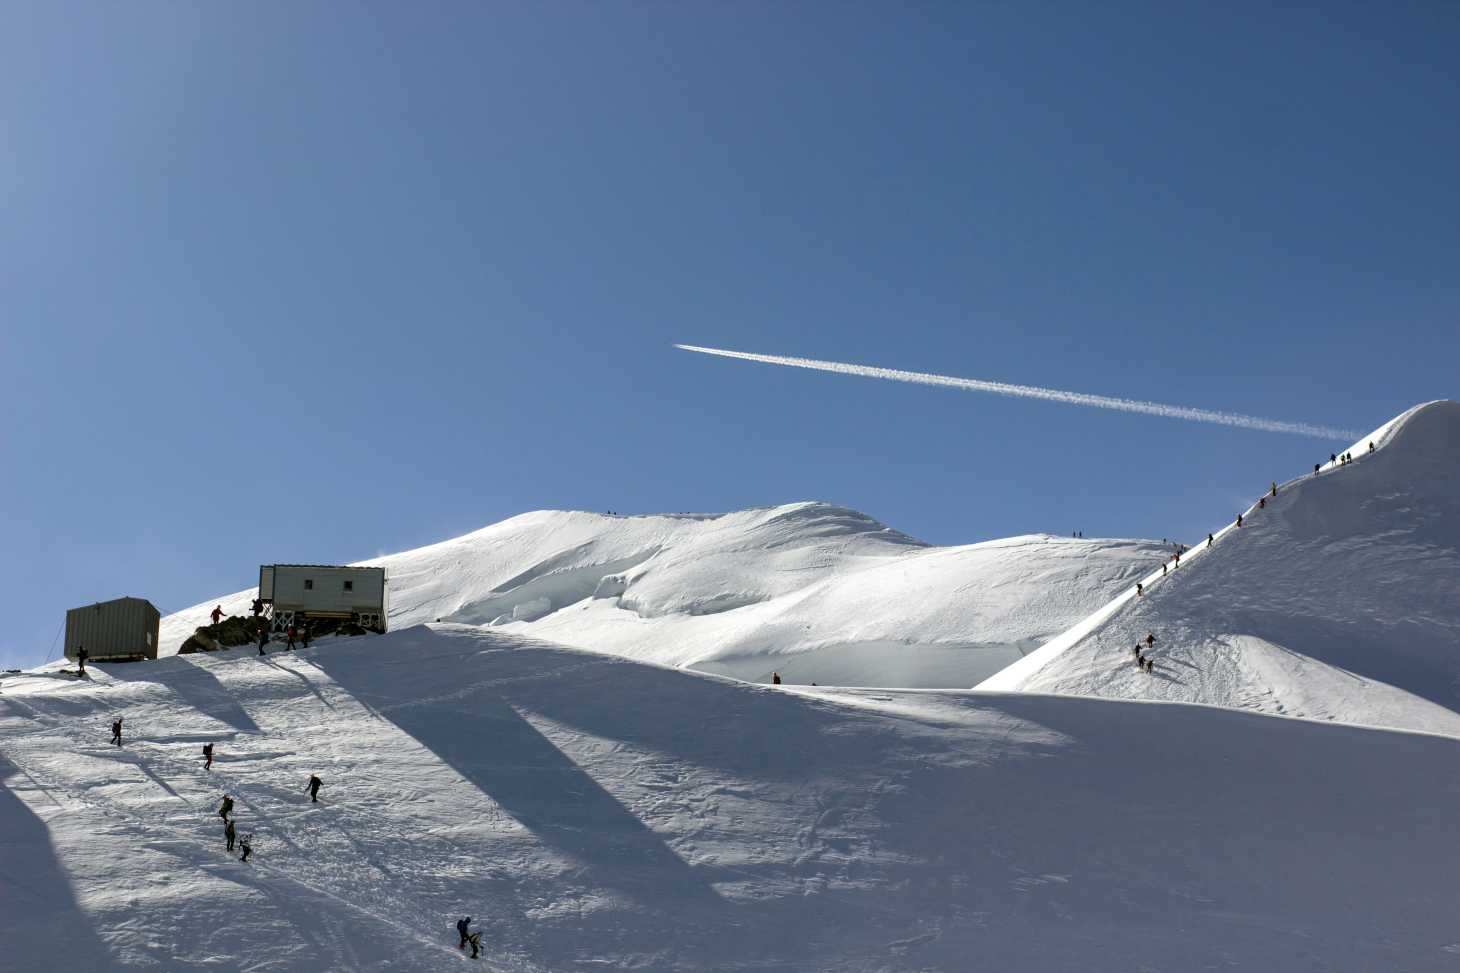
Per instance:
{"type": "Point", "coordinates": [1005, 679]}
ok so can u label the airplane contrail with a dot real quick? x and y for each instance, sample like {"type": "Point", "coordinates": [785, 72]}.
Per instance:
{"type": "Point", "coordinates": [1054, 395]}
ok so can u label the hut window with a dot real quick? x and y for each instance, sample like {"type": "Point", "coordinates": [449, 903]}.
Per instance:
{"type": "Point", "coordinates": [349, 586]}
{"type": "Point", "coordinates": [308, 584]}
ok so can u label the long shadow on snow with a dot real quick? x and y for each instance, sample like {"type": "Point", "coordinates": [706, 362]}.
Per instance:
{"type": "Point", "coordinates": [491, 745]}
{"type": "Point", "coordinates": [757, 733]}
{"type": "Point", "coordinates": [198, 687]}
{"type": "Point", "coordinates": [1149, 827]}
{"type": "Point", "coordinates": [41, 925]}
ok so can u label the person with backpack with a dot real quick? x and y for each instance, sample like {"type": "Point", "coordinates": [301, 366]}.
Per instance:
{"type": "Point", "coordinates": [307, 635]}
{"type": "Point", "coordinates": [247, 845]}
{"type": "Point", "coordinates": [1239, 520]}
{"type": "Point", "coordinates": [1209, 540]}
{"type": "Point", "coordinates": [229, 834]}
{"type": "Point", "coordinates": [476, 943]}
{"type": "Point", "coordinates": [290, 647]}
{"type": "Point", "coordinates": [117, 731]}
{"type": "Point", "coordinates": [227, 807]}
{"type": "Point", "coordinates": [463, 926]}
{"type": "Point", "coordinates": [207, 756]}
{"type": "Point", "coordinates": [313, 787]}
{"type": "Point", "coordinates": [263, 641]}
{"type": "Point", "coordinates": [775, 679]}
{"type": "Point", "coordinates": [81, 656]}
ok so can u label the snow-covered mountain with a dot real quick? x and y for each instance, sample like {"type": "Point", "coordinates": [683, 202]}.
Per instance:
{"type": "Point", "coordinates": [600, 805]}
{"type": "Point", "coordinates": [817, 592]}
{"type": "Point", "coordinates": [589, 811]}
{"type": "Point", "coordinates": [1337, 599]}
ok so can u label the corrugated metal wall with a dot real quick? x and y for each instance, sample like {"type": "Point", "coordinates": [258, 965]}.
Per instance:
{"type": "Point", "coordinates": [126, 627]}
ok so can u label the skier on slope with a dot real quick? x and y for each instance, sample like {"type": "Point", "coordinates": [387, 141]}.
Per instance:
{"type": "Point", "coordinates": [229, 834]}
{"type": "Point", "coordinates": [207, 756]}
{"type": "Point", "coordinates": [227, 807]}
{"type": "Point", "coordinates": [463, 926]}
{"type": "Point", "coordinates": [476, 943]}
{"type": "Point", "coordinates": [117, 731]}
{"type": "Point", "coordinates": [247, 845]}
{"type": "Point", "coordinates": [313, 787]}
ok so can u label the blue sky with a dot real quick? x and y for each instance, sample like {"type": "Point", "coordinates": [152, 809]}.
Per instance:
{"type": "Point", "coordinates": [310, 282]}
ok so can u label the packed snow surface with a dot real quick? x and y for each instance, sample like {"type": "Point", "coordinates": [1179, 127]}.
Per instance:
{"type": "Point", "coordinates": [1337, 599]}
{"type": "Point", "coordinates": [816, 592]}
{"type": "Point", "coordinates": [589, 811]}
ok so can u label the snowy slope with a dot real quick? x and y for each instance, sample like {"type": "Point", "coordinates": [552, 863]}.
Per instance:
{"type": "Point", "coordinates": [592, 811]}
{"type": "Point", "coordinates": [824, 593]}
{"type": "Point", "coordinates": [1340, 600]}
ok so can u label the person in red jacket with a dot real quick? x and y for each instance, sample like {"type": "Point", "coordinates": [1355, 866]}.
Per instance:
{"type": "Point", "coordinates": [217, 614]}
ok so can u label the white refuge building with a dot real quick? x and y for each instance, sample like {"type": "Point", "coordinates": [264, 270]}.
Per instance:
{"type": "Point", "coordinates": [297, 592]}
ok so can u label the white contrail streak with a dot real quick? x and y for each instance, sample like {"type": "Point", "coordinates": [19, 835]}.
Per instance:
{"type": "Point", "coordinates": [1031, 392]}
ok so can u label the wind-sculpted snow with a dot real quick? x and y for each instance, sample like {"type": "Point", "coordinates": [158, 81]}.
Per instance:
{"type": "Point", "coordinates": [586, 809]}
{"type": "Point", "coordinates": [846, 599]}
{"type": "Point", "coordinates": [1339, 599]}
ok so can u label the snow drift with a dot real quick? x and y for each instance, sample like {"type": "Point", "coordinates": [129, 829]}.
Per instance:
{"type": "Point", "coordinates": [825, 593]}
{"type": "Point", "coordinates": [1337, 600]}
